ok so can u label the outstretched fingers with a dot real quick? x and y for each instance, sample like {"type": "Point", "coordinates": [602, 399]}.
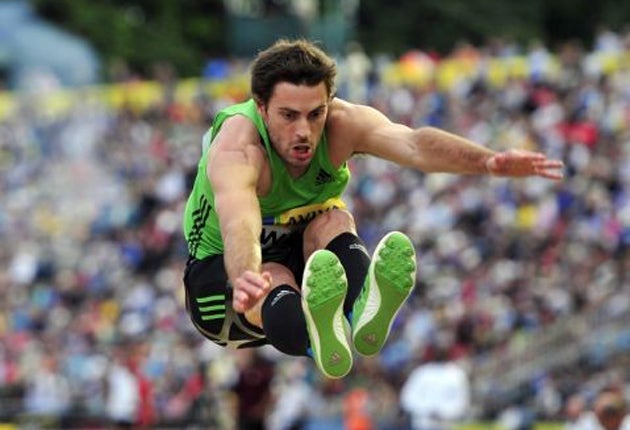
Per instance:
{"type": "Point", "coordinates": [248, 289]}
{"type": "Point", "coordinates": [550, 169]}
{"type": "Point", "coordinates": [520, 163]}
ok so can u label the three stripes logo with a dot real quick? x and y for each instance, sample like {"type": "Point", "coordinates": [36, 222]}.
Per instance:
{"type": "Point", "coordinates": [335, 358]}
{"type": "Point", "coordinates": [369, 338]}
{"type": "Point", "coordinates": [211, 307]}
{"type": "Point", "coordinates": [323, 177]}
{"type": "Point", "coordinates": [200, 216]}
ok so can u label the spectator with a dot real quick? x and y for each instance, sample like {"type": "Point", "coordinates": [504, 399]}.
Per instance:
{"type": "Point", "coordinates": [574, 410]}
{"type": "Point", "coordinates": [608, 412]}
{"type": "Point", "coordinates": [252, 389]}
{"type": "Point", "coordinates": [356, 410]}
{"type": "Point", "coordinates": [47, 398]}
{"type": "Point", "coordinates": [436, 395]}
{"type": "Point", "coordinates": [293, 396]}
{"type": "Point", "coordinates": [123, 392]}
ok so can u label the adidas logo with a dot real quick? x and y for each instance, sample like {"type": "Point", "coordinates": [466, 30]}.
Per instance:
{"type": "Point", "coordinates": [359, 247]}
{"type": "Point", "coordinates": [280, 295]}
{"type": "Point", "coordinates": [369, 338]}
{"type": "Point", "coordinates": [323, 177]}
{"type": "Point", "coordinates": [334, 359]}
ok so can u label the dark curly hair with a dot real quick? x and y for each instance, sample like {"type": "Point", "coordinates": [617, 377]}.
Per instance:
{"type": "Point", "coordinates": [298, 62]}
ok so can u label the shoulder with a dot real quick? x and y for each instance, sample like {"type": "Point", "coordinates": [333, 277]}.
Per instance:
{"type": "Point", "coordinates": [342, 114]}
{"type": "Point", "coordinates": [346, 123]}
{"type": "Point", "coordinates": [240, 127]}
{"type": "Point", "coordinates": [238, 136]}
{"type": "Point", "coordinates": [350, 124]}
{"type": "Point", "coordinates": [358, 115]}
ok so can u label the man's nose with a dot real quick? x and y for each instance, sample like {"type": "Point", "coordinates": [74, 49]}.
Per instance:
{"type": "Point", "coordinates": [303, 129]}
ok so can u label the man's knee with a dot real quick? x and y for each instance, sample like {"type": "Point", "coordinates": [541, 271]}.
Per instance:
{"type": "Point", "coordinates": [325, 227]}
{"type": "Point", "coordinates": [280, 275]}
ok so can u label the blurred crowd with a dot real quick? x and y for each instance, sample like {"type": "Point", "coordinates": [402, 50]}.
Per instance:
{"type": "Point", "coordinates": [93, 331]}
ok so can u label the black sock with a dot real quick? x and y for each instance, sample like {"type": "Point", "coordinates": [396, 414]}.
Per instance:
{"type": "Point", "coordinates": [283, 321]}
{"type": "Point", "coordinates": [354, 258]}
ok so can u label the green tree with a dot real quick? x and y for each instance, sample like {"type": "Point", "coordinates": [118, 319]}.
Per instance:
{"type": "Point", "coordinates": [399, 25]}
{"type": "Point", "coordinates": [186, 32]}
{"type": "Point", "coordinates": [433, 25]}
{"type": "Point", "coordinates": [145, 32]}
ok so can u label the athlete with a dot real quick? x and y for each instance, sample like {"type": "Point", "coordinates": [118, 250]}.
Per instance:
{"type": "Point", "coordinates": [274, 253]}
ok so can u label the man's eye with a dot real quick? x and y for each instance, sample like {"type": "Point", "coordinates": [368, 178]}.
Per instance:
{"type": "Point", "coordinates": [315, 115]}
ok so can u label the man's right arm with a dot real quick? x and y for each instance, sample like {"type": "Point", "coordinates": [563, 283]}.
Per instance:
{"type": "Point", "coordinates": [234, 166]}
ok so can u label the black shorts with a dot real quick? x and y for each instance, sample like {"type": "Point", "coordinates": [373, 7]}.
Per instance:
{"type": "Point", "coordinates": [209, 295]}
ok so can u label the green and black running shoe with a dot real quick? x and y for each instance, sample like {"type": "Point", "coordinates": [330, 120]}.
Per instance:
{"type": "Point", "coordinates": [390, 280]}
{"type": "Point", "coordinates": [324, 290]}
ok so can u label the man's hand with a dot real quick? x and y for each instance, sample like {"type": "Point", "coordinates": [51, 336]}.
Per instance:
{"type": "Point", "coordinates": [520, 163]}
{"type": "Point", "coordinates": [248, 289]}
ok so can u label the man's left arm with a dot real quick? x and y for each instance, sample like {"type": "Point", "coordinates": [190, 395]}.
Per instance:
{"type": "Point", "coordinates": [430, 149]}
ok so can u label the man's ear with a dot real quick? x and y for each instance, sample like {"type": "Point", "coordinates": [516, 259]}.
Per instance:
{"type": "Point", "coordinates": [262, 110]}
{"type": "Point", "coordinates": [260, 106]}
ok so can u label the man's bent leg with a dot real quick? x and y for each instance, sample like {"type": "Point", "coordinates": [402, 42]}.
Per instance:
{"type": "Point", "coordinates": [280, 313]}
{"type": "Point", "coordinates": [391, 278]}
{"type": "Point", "coordinates": [335, 231]}
{"type": "Point", "coordinates": [209, 304]}
{"type": "Point", "coordinates": [353, 256]}
{"type": "Point", "coordinates": [324, 288]}
{"type": "Point", "coordinates": [283, 321]}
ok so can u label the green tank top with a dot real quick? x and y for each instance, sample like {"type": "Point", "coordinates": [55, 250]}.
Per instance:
{"type": "Point", "coordinates": [289, 206]}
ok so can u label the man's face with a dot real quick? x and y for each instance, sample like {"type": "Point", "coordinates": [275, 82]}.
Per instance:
{"type": "Point", "coordinates": [610, 410]}
{"type": "Point", "coordinates": [295, 117]}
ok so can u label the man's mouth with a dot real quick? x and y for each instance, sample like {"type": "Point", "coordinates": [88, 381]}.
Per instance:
{"type": "Point", "coordinates": [301, 152]}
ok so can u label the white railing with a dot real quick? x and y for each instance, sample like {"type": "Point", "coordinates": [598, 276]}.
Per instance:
{"type": "Point", "coordinates": [560, 345]}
